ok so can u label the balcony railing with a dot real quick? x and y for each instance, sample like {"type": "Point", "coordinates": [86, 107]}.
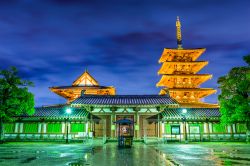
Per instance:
{"type": "Point", "coordinates": [45, 136]}
{"type": "Point", "coordinates": [166, 137]}
{"type": "Point", "coordinates": [197, 137]}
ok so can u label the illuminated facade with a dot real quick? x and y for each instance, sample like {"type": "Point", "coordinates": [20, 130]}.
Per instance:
{"type": "Point", "coordinates": [177, 114]}
{"type": "Point", "coordinates": [180, 76]}
{"type": "Point", "coordinates": [86, 84]}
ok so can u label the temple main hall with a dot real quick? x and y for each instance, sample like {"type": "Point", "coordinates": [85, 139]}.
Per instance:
{"type": "Point", "coordinates": [91, 110]}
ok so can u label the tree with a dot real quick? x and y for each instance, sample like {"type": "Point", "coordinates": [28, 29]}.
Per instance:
{"type": "Point", "coordinates": [15, 99]}
{"type": "Point", "coordinates": [234, 98]}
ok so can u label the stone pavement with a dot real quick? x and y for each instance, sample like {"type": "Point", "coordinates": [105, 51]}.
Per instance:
{"type": "Point", "coordinates": [41, 154]}
{"type": "Point", "coordinates": [48, 154]}
{"type": "Point", "coordinates": [206, 154]}
{"type": "Point", "coordinates": [139, 155]}
{"type": "Point", "coordinates": [32, 154]}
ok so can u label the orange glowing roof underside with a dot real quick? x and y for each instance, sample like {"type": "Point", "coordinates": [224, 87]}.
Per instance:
{"type": "Point", "coordinates": [179, 74]}
{"type": "Point", "coordinates": [84, 84]}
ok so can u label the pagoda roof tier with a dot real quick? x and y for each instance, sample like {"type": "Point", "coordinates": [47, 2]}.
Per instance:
{"type": "Point", "coordinates": [182, 67]}
{"type": "Point", "coordinates": [191, 89]}
{"type": "Point", "coordinates": [181, 54]}
{"type": "Point", "coordinates": [183, 80]}
{"type": "Point", "coordinates": [199, 105]}
{"type": "Point", "coordinates": [72, 92]}
{"type": "Point", "coordinates": [84, 82]}
{"type": "Point", "coordinates": [78, 87]}
{"type": "Point", "coordinates": [196, 93]}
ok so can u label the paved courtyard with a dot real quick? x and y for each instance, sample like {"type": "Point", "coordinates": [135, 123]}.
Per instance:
{"type": "Point", "coordinates": [218, 153]}
{"type": "Point", "coordinates": [30, 154]}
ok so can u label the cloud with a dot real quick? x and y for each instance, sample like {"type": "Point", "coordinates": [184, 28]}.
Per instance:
{"type": "Point", "coordinates": [52, 42]}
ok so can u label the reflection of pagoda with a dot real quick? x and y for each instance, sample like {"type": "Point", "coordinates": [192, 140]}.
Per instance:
{"type": "Point", "coordinates": [85, 82]}
{"type": "Point", "coordinates": [179, 74]}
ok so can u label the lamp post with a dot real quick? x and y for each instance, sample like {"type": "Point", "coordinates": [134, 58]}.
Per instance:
{"type": "Point", "coordinates": [68, 112]}
{"type": "Point", "coordinates": [183, 112]}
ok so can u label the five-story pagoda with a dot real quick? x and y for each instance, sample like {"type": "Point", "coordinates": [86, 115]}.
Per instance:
{"type": "Point", "coordinates": [179, 74]}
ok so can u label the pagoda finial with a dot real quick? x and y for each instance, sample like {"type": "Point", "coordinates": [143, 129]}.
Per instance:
{"type": "Point", "coordinates": [86, 69]}
{"type": "Point", "coordinates": [178, 33]}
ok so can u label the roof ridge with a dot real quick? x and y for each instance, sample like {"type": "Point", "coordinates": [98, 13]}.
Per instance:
{"type": "Point", "coordinates": [125, 96]}
{"type": "Point", "coordinates": [54, 105]}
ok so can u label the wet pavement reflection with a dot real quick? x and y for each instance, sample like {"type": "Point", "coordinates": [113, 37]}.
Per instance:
{"type": "Point", "coordinates": [77, 154]}
{"type": "Point", "coordinates": [138, 155]}
{"type": "Point", "coordinates": [47, 154]}
{"type": "Point", "coordinates": [207, 154]}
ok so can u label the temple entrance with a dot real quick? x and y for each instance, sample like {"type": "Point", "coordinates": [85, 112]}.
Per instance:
{"type": "Point", "coordinates": [124, 128]}
{"type": "Point", "coordinates": [125, 134]}
{"type": "Point", "coordinates": [99, 128]}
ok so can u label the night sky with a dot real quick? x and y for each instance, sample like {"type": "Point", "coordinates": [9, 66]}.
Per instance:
{"type": "Point", "coordinates": [120, 42]}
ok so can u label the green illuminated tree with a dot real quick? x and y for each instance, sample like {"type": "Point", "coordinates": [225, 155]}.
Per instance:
{"type": "Point", "coordinates": [15, 99]}
{"type": "Point", "coordinates": [234, 98]}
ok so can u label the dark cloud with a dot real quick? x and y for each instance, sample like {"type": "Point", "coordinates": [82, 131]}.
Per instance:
{"type": "Point", "coordinates": [53, 41]}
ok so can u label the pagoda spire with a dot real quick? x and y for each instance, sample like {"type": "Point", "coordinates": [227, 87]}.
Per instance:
{"type": "Point", "coordinates": [178, 33]}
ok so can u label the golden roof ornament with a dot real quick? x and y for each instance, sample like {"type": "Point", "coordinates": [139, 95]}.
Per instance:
{"type": "Point", "coordinates": [178, 33]}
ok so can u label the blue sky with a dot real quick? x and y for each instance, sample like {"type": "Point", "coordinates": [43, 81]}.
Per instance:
{"type": "Point", "coordinates": [51, 42]}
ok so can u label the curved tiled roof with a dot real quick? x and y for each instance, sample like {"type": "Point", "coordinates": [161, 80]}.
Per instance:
{"type": "Point", "coordinates": [124, 100]}
{"type": "Point", "coordinates": [58, 111]}
{"type": "Point", "coordinates": [192, 113]}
